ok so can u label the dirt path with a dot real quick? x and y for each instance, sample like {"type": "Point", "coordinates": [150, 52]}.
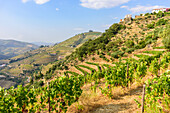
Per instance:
{"type": "Point", "coordinates": [123, 104]}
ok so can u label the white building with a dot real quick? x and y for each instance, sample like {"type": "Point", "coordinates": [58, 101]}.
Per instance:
{"type": "Point", "coordinates": [3, 65]}
{"type": "Point", "coordinates": [128, 16]}
{"type": "Point", "coordinates": [160, 9]}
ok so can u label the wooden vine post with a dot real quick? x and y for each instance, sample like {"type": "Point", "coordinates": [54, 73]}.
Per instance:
{"type": "Point", "coordinates": [48, 83]}
{"type": "Point", "coordinates": [127, 76]}
{"type": "Point", "coordinates": [159, 67]}
{"type": "Point", "coordinates": [143, 98]}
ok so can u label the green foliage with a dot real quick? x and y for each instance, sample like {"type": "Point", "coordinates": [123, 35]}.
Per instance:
{"type": "Point", "coordinates": [84, 72]}
{"type": "Point", "coordinates": [60, 93]}
{"type": "Point", "coordinates": [161, 47]}
{"type": "Point", "coordinates": [87, 67]}
{"type": "Point", "coordinates": [99, 43]}
{"type": "Point", "coordinates": [91, 63]}
{"type": "Point", "coordinates": [153, 52]}
{"type": "Point", "coordinates": [41, 83]}
{"type": "Point", "coordinates": [157, 94]}
{"type": "Point", "coordinates": [138, 103]}
{"type": "Point", "coordinates": [166, 37]}
{"type": "Point", "coordinates": [161, 22]}
{"type": "Point", "coordinates": [151, 26]}
{"type": "Point", "coordinates": [64, 91]}
{"type": "Point", "coordinates": [154, 67]}
{"type": "Point", "coordinates": [93, 58]}
{"type": "Point", "coordinates": [111, 44]}
{"type": "Point", "coordinates": [115, 55]}
{"type": "Point", "coordinates": [73, 73]}
{"type": "Point", "coordinates": [129, 43]}
{"type": "Point", "coordinates": [130, 50]}
{"type": "Point", "coordinates": [160, 14]}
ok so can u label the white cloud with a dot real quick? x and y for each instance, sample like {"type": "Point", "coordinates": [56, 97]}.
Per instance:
{"type": "Point", "coordinates": [78, 29]}
{"type": "Point", "coordinates": [140, 8]}
{"type": "Point", "coordinates": [57, 9]}
{"type": "Point", "coordinates": [115, 18]}
{"type": "Point", "coordinates": [106, 26]}
{"type": "Point", "coordinates": [41, 1]}
{"type": "Point", "coordinates": [24, 1]}
{"type": "Point", "coordinates": [126, 7]}
{"type": "Point", "coordinates": [36, 1]}
{"type": "Point", "coordinates": [98, 4]}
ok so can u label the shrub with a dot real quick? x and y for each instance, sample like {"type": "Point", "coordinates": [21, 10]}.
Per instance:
{"type": "Point", "coordinates": [123, 48]}
{"type": "Point", "coordinates": [151, 26]}
{"type": "Point", "coordinates": [109, 53]}
{"type": "Point", "coordinates": [141, 44]}
{"type": "Point", "coordinates": [111, 44]}
{"type": "Point", "coordinates": [146, 14]}
{"type": "Point", "coordinates": [121, 53]}
{"type": "Point", "coordinates": [149, 16]}
{"type": "Point", "coordinates": [93, 58]}
{"type": "Point", "coordinates": [160, 14]}
{"type": "Point", "coordinates": [125, 55]}
{"type": "Point", "coordinates": [161, 22]}
{"type": "Point", "coordinates": [166, 42]}
{"type": "Point", "coordinates": [130, 50]}
{"type": "Point", "coordinates": [115, 55]}
{"type": "Point", "coordinates": [129, 43]}
{"type": "Point", "coordinates": [166, 37]}
{"type": "Point", "coordinates": [115, 49]}
{"type": "Point", "coordinates": [41, 83]}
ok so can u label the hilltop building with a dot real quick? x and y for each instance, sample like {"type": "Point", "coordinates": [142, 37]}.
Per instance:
{"type": "Point", "coordinates": [160, 9]}
{"type": "Point", "coordinates": [128, 16]}
{"type": "Point", "coordinates": [127, 19]}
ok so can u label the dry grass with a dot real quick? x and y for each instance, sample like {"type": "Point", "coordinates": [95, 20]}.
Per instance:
{"type": "Point", "coordinates": [122, 100]}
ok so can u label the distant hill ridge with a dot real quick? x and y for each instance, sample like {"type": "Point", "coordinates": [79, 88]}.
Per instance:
{"type": "Point", "coordinates": [11, 48]}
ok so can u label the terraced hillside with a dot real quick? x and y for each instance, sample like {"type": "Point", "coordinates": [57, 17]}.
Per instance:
{"type": "Point", "coordinates": [134, 39]}
{"type": "Point", "coordinates": [105, 74]}
{"type": "Point", "coordinates": [29, 62]}
{"type": "Point", "coordinates": [119, 41]}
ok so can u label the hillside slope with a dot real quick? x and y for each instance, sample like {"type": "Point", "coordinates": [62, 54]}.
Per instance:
{"type": "Point", "coordinates": [11, 48]}
{"type": "Point", "coordinates": [105, 74]}
{"type": "Point", "coordinates": [140, 38]}
{"type": "Point", "coordinates": [29, 62]}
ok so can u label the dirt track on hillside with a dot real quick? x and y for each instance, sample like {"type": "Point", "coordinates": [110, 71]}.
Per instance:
{"type": "Point", "coordinates": [122, 104]}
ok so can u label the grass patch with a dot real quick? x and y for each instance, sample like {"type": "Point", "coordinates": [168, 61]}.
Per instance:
{"type": "Point", "coordinates": [83, 71]}
{"type": "Point", "coordinates": [153, 52]}
{"type": "Point", "coordinates": [87, 67]}
{"type": "Point", "coordinates": [161, 47]}
{"type": "Point", "coordinates": [73, 73]}
{"type": "Point", "coordinates": [141, 56]}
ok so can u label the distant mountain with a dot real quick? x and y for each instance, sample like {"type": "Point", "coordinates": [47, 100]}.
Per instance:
{"type": "Point", "coordinates": [11, 48]}
{"type": "Point", "coordinates": [43, 43]}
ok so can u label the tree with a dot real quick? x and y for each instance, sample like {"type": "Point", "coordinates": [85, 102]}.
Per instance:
{"type": "Point", "coordinates": [166, 37]}
{"type": "Point", "coordinates": [90, 30]}
{"type": "Point", "coordinates": [130, 44]}
{"type": "Point", "coordinates": [160, 14]}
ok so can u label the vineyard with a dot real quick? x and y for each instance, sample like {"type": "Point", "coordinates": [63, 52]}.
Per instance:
{"type": "Point", "coordinates": [100, 66]}
{"type": "Point", "coordinates": [58, 95]}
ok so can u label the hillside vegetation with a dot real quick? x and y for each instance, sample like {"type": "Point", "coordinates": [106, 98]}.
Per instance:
{"type": "Point", "coordinates": [105, 74]}
{"type": "Point", "coordinates": [25, 65]}
{"type": "Point", "coordinates": [11, 48]}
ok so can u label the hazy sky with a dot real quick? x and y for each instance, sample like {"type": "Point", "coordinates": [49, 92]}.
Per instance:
{"type": "Point", "coordinates": [57, 20]}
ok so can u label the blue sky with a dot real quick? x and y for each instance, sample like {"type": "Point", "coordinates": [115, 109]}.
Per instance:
{"type": "Point", "coordinates": [57, 20]}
